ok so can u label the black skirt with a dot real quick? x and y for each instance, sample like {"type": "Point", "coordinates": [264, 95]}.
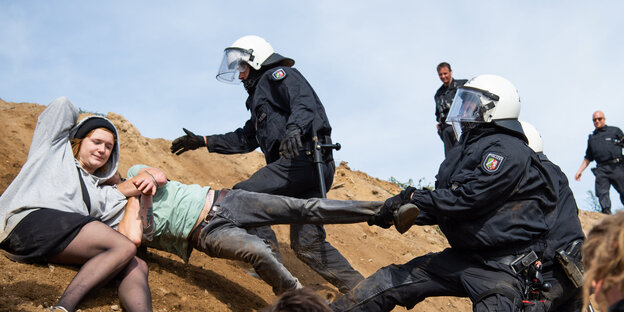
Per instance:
{"type": "Point", "coordinates": [42, 234]}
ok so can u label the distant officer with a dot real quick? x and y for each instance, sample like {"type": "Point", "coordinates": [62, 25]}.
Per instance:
{"type": "Point", "coordinates": [491, 199]}
{"type": "Point", "coordinates": [604, 146]}
{"type": "Point", "coordinates": [443, 99]}
{"type": "Point", "coordinates": [286, 114]}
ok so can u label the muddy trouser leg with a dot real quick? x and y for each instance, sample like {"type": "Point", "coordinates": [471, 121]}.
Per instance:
{"type": "Point", "coordinates": [447, 273]}
{"type": "Point", "coordinates": [268, 236]}
{"type": "Point", "coordinates": [308, 242]}
{"type": "Point", "coordinates": [602, 189]}
{"type": "Point", "coordinates": [248, 209]}
{"type": "Point", "coordinates": [298, 178]}
{"type": "Point", "coordinates": [230, 242]}
{"type": "Point", "coordinates": [434, 274]}
{"type": "Point", "coordinates": [287, 177]}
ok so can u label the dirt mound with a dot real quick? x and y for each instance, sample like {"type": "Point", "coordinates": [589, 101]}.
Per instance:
{"type": "Point", "coordinates": [208, 284]}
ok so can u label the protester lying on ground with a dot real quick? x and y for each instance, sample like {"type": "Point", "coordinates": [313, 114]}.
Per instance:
{"type": "Point", "coordinates": [215, 222]}
{"type": "Point", "coordinates": [55, 210]}
{"type": "Point", "coordinates": [603, 256]}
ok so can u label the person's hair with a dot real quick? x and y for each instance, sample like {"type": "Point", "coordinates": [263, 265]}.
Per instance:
{"type": "Point", "coordinates": [76, 143]}
{"type": "Point", "coordinates": [603, 258]}
{"type": "Point", "coordinates": [298, 300]}
{"type": "Point", "coordinates": [444, 64]}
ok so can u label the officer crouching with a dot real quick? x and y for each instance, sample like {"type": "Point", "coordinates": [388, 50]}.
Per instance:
{"type": "Point", "coordinates": [493, 200]}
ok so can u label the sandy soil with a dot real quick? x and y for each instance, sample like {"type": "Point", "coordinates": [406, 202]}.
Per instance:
{"type": "Point", "coordinates": [208, 284]}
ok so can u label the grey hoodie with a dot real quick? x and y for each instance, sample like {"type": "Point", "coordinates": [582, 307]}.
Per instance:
{"type": "Point", "coordinates": [49, 178]}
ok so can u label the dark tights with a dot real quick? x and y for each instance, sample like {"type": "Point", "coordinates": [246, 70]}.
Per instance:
{"type": "Point", "coordinates": [104, 253]}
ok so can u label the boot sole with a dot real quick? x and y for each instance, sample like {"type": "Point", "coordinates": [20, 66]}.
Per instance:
{"type": "Point", "coordinates": [405, 216]}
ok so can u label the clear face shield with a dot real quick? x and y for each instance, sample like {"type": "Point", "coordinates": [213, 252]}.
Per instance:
{"type": "Point", "coordinates": [470, 108]}
{"type": "Point", "coordinates": [232, 64]}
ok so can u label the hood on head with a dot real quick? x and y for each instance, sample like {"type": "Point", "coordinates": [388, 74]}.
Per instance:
{"type": "Point", "coordinates": [102, 122]}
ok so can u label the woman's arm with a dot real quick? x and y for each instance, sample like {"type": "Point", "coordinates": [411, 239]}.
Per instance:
{"type": "Point", "coordinates": [131, 225]}
{"type": "Point", "coordinates": [146, 182]}
{"type": "Point", "coordinates": [138, 221]}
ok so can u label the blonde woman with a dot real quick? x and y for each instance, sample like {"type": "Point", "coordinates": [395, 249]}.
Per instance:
{"type": "Point", "coordinates": [57, 211]}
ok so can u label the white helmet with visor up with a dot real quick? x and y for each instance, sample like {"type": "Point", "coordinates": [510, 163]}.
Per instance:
{"type": "Point", "coordinates": [252, 50]}
{"type": "Point", "coordinates": [485, 99]}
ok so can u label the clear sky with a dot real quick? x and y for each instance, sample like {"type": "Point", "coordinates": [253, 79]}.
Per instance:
{"type": "Point", "coordinates": [372, 63]}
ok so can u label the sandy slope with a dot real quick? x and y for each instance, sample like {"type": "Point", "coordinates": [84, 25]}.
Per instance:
{"type": "Point", "coordinates": [207, 284]}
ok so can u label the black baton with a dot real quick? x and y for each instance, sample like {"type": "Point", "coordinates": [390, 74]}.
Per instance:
{"type": "Point", "coordinates": [318, 161]}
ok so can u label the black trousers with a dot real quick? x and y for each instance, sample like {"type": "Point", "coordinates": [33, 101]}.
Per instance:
{"type": "Point", "coordinates": [490, 285]}
{"type": "Point", "coordinates": [447, 135]}
{"type": "Point", "coordinates": [607, 175]}
{"type": "Point", "coordinates": [298, 178]}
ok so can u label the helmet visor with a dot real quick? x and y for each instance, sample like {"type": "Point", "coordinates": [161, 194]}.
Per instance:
{"type": "Point", "coordinates": [232, 64]}
{"type": "Point", "coordinates": [469, 106]}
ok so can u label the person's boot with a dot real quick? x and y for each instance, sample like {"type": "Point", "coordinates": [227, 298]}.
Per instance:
{"type": "Point", "coordinates": [404, 217]}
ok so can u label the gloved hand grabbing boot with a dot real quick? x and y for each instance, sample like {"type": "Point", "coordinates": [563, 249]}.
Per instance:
{"type": "Point", "coordinates": [397, 210]}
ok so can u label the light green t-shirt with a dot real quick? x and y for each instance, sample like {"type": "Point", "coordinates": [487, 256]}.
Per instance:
{"type": "Point", "coordinates": [176, 208]}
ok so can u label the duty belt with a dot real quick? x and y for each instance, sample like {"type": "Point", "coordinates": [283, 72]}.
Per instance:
{"type": "Point", "coordinates": [518, 263]}
{"type": "Point", "coordinates": [219, 195]}
{"type": "Point", "coordinates": [617, 160]}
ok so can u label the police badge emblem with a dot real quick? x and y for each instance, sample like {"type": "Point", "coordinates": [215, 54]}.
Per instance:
{"type": "Point", "coordinates": [279, 74]}
{"type": "Point", "coordinates": [492, 162]}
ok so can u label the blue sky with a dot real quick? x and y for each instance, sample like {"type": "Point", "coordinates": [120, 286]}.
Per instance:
{"type": "Point", "coordinates": [371, 63]}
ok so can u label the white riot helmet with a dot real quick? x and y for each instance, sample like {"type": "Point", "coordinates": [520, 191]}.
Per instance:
{"type": "Point", "coordinates": [485, 99]}
{"type": "Point", "coordinates": [535, 139]}
{"type": "Point", "coordinates": [254, 51]}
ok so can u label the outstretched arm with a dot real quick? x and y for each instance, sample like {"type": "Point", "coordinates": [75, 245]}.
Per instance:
{"type": "Point", "coordinates": [584, 165]}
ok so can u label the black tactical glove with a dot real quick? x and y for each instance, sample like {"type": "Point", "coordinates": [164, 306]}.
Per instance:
{"type": "Point", "coordinates": [188, 142]}
{"type": "Point", "coordinates": [291, 143]}
{"type": "Point", "coordinates": [384, 218]}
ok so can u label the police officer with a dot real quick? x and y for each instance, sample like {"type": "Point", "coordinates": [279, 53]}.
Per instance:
{"type": "Point", "coordinates": [604, 146]}
{"type": "Point", "coordinates": [443, 99]}
{"type": "Point", "coordinates": [490, 199]}
{"type": "Point", "coordinates": [286, 114]}
{"type": "Point", "coordinates": [565, 237]}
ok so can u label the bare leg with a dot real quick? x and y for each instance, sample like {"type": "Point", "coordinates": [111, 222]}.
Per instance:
{"type": "Point", "coordinates": [103, 253]}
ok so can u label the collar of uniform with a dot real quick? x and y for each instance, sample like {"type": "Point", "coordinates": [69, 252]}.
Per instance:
{"type": "Point", "coordinates": [604, 128]}
{"type": "Point", "coordinates": [478, 132]}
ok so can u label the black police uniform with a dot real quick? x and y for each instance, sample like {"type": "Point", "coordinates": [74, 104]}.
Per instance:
{"type": "Point", "coordinates": [492, 194]}
{"type": "Point", "coordinates": [602, 147]}
{"type": "Point", "coordinates": [565, 230]}
{"type": "Point", "coordinates": [443, 99]}
{"type": "Point", "coordinates": [282, 96]}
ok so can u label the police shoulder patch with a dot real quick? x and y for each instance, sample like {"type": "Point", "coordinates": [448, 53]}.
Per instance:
{"type": "Point", "coordinates": [492, 162]}
{"type": "Point", "coordinates": [279, 74]}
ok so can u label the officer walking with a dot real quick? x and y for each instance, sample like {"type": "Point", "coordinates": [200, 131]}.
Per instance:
{"type": "Point", "coordinates": [490, 200]}
{"type": "Point", "coordinates": [443, 99]}
{"type": "Point", "coordinates": [604, 146]}
{"type": "Point", "coordinates": [286, 114]}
